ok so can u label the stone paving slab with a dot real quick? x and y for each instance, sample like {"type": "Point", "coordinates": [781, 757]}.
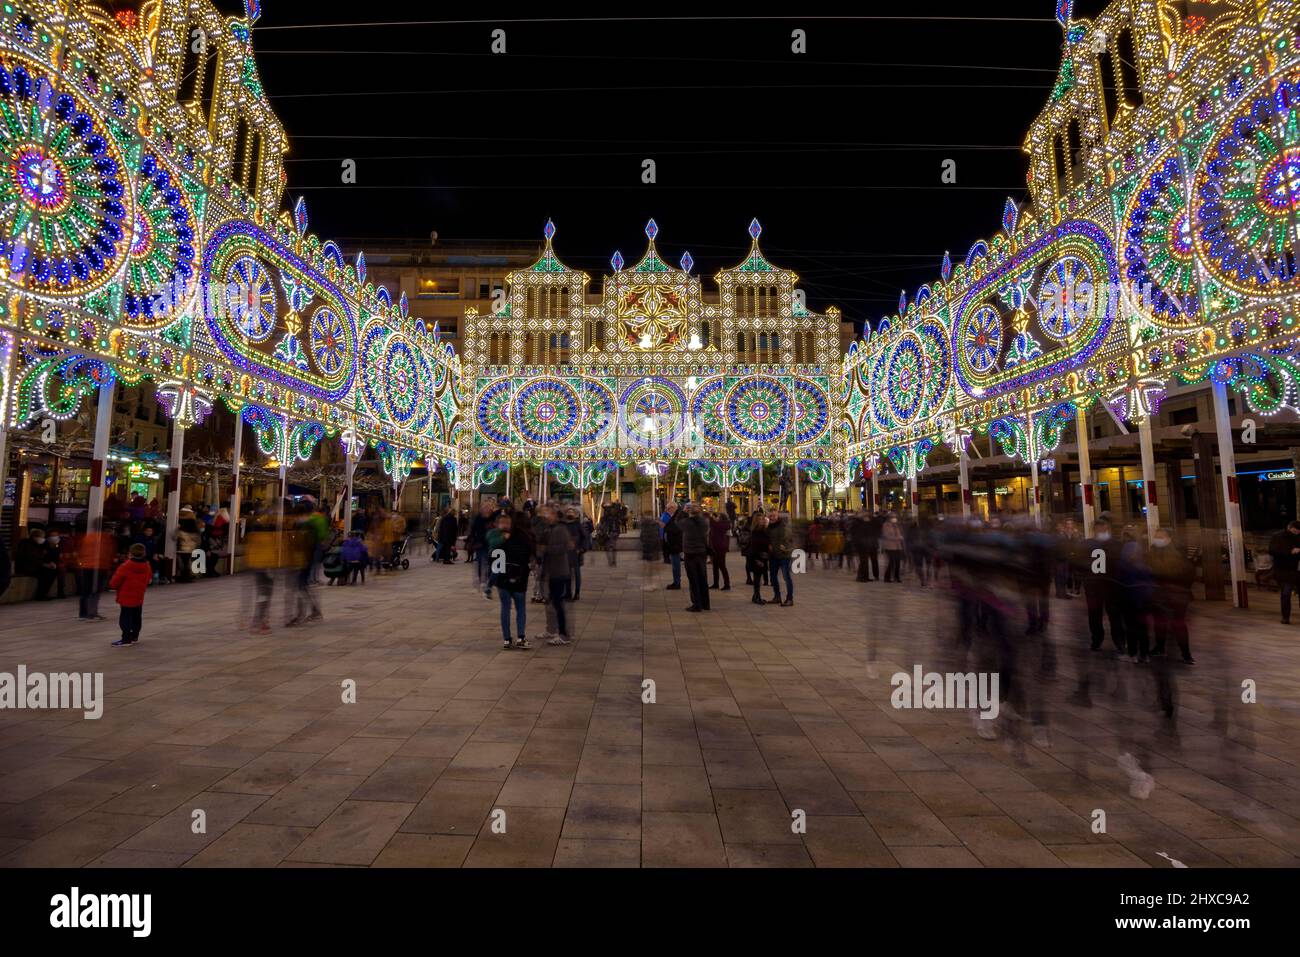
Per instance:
{"type": "Point", "coordinates": [771, 742]}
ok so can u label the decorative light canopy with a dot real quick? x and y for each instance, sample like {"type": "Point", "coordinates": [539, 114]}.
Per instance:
{"type": "Point", "coordinates": [1157, 244]}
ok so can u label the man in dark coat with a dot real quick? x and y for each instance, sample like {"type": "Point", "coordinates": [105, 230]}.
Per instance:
{"type": "Point", "coordinates": [694, 530]}
{"type": "Point", "coordinates": [448, 529]}
{"type": "Point", "coordinates": [1099, 570]}
{"type": "Point", "coordinates": [1285, 549]}
{"type": "Point", "coordinates": [673, 544]}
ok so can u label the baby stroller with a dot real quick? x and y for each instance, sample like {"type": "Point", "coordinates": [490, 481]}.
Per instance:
{"type": "Point", "coordinates": [1265, 573]}
{"type": "Point", "coordinates": [399, 557]}
{"type": "Point", "coordinates": [332, 564]}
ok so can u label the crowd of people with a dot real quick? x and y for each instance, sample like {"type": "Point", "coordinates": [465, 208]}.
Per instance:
{"type": "Point", "coordinates": [507, 547]}
{"type": "Point", "coordinates": [1125, 594]}
{"type": "Point", "coordinates": [64, 553]}
{"type": "Point", "coordinates": [695, 537]}
{"type": "Point", "coordinates": [1018, 593]}
{"type": "Point", "coordinates": [296, 544]}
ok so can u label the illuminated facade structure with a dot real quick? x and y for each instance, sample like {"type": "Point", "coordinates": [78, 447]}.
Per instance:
{"type": "Point", "coordinates": [652, 369]}
{"type": "Point", "coordinates": [1159, 252]}
{"type": "Point", "coordinates": [142, 237]}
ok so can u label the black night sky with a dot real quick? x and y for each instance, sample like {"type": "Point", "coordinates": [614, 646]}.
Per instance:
{"type": "Point", "coordinates": [838, 152]}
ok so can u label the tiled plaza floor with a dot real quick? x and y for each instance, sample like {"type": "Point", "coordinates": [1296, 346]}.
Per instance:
{"type": "Point", "coordinates": [759, 712]}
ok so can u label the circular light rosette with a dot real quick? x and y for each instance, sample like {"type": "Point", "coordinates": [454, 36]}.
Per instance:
{"type": "Point", "coordinates": [1066, 296]}
{"type": "Point", "coordinates": [981, 339]}
{"type": "Point", "coordinates": [547, 411]}
{"type": "Point", "coordinates": [328, 340]}
{"type": "Point", "coordinates": [370, 359]}
{"type": "Point", "coordinates": [251, 299]}
{"type": "Point", "coordinates": [66, 214]}
{"type": "Point", "coordinates": [812, 413]}
{"type": "Point", "coordinates": [285, 342]}
{"type": "Point", "coordinates": [408, 392]}
{"type": "Point", "coordinates": [651, 412]}
{"type": "Point", "coordinates": [758, 410]}
{"type": "Point", "coordinates": [600, 415]}
{"type": "Point", "coordinates": [905, 375]}
{"type": "Point", "coordinates": [163, 252]}
{"type": "Point", "coordinates": [492, 412]}
{"type": "Point", "coordinates": [1158, 256]}
{"type": "Point", "coordinates": [1247, 194]}
{"type": "Point", "coordinates": [708, 408]}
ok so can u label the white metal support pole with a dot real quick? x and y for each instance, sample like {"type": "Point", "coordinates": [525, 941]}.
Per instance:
{"type": "Point", "coordinates": [963, 479]}
{"type": "Point", "coordinates": [761, 494]}
{"type": "Point", "coordinates": [232, 530]}
{"type": "Point", "coordinates": [99, 474]}
{"type": "Point", "coordinates": [174, 493]}
{"type": "Point", "coordinates": [99, 458]}
{"type": "Point", "coordinates": [351, 465]}
{"type": "Point", "coordinates": [1085, 470]}
{"type": "Point", "coordinates": [1149, 476]}
{"type": "Point", "coordinates": [284, 492]}
{"type": "Point", "coordinates": [1035, 506]}
{"type": "Point", "coordinates": [796, 489]}
{"type": "Point", "coordinates": [8, 341]}
{"type": "Point", "coordinates": [1231, 499]}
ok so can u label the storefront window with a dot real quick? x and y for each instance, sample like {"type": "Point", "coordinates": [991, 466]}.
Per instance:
{"type": "Point", "coordinates": [40, 483]}
{"type": "Point", "coordinates": [74, 483]}
{"type": "Point", "coordinates": [1267, 497]}
{"type": "Point", "coordinates": [1136, 506]}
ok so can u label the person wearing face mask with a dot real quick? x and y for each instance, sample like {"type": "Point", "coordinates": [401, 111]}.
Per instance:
{"type": "Point", "coordinates": [1173, 574]}
{"type": "Point", "coordinates": [36, 558]}
{"type": "Point", "coordinates": [1100, 563]}
{"type": "Point", "coordinates": [65, 557]}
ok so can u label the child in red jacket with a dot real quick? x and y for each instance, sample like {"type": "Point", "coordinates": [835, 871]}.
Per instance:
{"type": "Point", "coordinates": [129, 581]}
